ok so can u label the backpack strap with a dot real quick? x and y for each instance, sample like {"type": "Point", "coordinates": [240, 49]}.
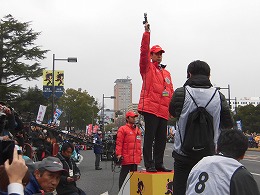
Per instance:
{"type": "Point", "coordinates": [197, 105]}
{"type": "Point", "coordinates": [192, 97]}
{"type": "Point", "coordinates": [211, 97]}
{"type": "Point", "coordinates": [208, 101]}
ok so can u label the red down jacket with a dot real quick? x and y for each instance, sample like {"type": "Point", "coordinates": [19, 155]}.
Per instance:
{"type": "Point", "coordinates": [155, 81]}
{"type": "Point", "coordinates": [128, 144]}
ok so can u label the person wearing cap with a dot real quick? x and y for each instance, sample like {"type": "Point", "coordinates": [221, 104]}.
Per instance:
{"type": "Point", "coordinates": [67, 185]}
{"type": "Point", "coordinates": [45, 177]}
{"type": "Point", "coordinates": [98, 149]}
{"type": "Point", "coordinates": [128, 146]}
{"type": "Point", "coordinates": [156, 93]}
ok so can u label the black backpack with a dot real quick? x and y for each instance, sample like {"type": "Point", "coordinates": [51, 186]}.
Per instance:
{"type": "Point", "coordinates": [198, 141]}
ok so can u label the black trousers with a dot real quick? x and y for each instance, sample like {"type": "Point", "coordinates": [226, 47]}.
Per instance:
{"type": "Point", "coordinates": [154, 140]}
{"type": "Point", "coordinates": [125, 169]}
{"type": "Point", "coordinates": [97, 160]}
{"type": "Point", "coordinates": [181, 174]}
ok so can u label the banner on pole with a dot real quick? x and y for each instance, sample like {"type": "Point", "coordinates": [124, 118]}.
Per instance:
{"type": "Point", "coordinates": [41, 113]}
{"type": "Point", "coordinates": [47, 83]}
{"type": "Point", "coordinates": [95, 129]}
{"type": "Point", "coordinates": [90, 128]}
{"type": "Point", "coordinates": [56, 115]}
{"type": "Point", "coordinates": [58, 83]}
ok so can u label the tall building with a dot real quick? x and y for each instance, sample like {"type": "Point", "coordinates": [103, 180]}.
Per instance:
{"type": "Point", "coordinates": [123, 94]}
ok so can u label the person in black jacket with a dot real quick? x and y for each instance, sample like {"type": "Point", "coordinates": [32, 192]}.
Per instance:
{"type": "Point", "coordinates": [67, 185]}
{"type": "Point", "coordinates": [7, 120]}
{"type": "Point", "coordinates": [181, 105]}
{"type": "Point", "coordinates": [48, 146]}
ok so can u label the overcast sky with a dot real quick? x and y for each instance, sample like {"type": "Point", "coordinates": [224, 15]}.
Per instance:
{"type": "Point", "coordinates": [105, 36]}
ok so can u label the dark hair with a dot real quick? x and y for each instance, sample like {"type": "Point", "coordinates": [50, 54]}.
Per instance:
{"type": "Point", "coordinates": [198, 68]}
{"type": "Point", "coordinates": [232, 143]}
{"type": "Point", "coordinates": [41, 171]}
{"type": "Point", "coordinates": [67, 145]}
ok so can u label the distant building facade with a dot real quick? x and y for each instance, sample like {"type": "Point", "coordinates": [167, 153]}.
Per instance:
{"type": "Point", "coordinates": [123, 94]}
{"type": "Point", "coordinates": [132, 107]}
{"type": "Point", "coordinates": [244, 101]}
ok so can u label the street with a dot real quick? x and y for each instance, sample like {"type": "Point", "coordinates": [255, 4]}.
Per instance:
{"type": "Point", "coordinates": [96, 182]}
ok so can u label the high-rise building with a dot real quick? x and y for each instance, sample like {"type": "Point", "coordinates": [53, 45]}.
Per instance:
{"type": "Point", "coordinates": [123, 94]}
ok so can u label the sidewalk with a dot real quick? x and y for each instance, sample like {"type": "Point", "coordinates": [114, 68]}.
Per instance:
{"type": "Point", "coordinates": [254, 149]}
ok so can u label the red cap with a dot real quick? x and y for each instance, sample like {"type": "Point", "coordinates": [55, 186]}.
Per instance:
{"type": "Point", "coordinates": [156, 49]}
{"type": "Point", "coordinates": [131, 114]}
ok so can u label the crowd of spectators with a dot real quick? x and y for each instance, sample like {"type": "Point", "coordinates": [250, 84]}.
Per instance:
{"type": "Point", "coordinates": [33, 166]}
{"type": "Point", "coordinates": [253, 139]}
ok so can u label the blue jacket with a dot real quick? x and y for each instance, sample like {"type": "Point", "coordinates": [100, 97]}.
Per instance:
{"type": "Point", "coordinates": [32, 187]}
{"type": "Point", "coordinates": [98, 147]}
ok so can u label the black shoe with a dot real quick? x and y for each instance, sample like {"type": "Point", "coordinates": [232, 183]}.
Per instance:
{"type": "Point", "coordinates": [151, 169]}
{"type": "Point", "coordinates": [98, 168]}
{"type": "Point", "coordinates": [162, 168]}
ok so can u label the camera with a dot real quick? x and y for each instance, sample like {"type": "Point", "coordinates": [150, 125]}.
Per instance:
{"type": "Point", "coordinates": [116, 160]}
{"type": "Point", "coordinates": [76, 176]}
{"type": "Point", "coordinates": [6, 151]}
{"type": "Point", "coordinates": [145, 18]}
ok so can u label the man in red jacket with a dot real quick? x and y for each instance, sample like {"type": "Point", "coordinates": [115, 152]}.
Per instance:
{"type": "Point", "coordinates": [128, 146]}
{"type": "Point", "coordinates": [156, 93]}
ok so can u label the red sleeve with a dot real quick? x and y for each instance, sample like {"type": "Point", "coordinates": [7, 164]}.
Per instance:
{"type": "Point", "coordinates": [145, 53]}
{"type": "Point", "coordinates": [119, 141]}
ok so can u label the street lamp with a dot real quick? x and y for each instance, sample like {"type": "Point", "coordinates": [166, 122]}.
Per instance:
{"type": "Point", "coordinates": [102, 111]}
{"type": "Point", "coordinates": [228, 88]}
{"type": "Point", "coordinates": [53, 87]}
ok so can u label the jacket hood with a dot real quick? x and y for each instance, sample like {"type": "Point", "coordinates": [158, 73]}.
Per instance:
{"type": "Point", "coordinates": [198, 81]}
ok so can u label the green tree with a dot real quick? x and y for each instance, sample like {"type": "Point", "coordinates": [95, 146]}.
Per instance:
{"type": "Point", "coordinates": [79, 108]}
{"type": "Point", "coordinates": [118, 113]}
{"type": "Point", "coordinates": [110, 127]}
{"type": "Point", "coordinates": [19, 56]}
{"type": "Point", "coordinates": [250, 117]}
{"type": "Point", "coordinates": [28, 102]}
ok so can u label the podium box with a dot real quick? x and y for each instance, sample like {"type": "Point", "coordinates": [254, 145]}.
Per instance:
{"type": "Point", "coordinates": [146, 183]}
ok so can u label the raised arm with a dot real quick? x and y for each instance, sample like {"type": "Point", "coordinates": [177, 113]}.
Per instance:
{"type": "Point", "coordinates": [145, 50]}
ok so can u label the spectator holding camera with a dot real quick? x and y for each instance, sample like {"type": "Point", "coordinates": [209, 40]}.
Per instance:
{"type": "Point", "coordinates": [15, 172]}
{"type": "Point", "coordinates": [128, 146]}
{"type": "Point", "coordinates": [7, 120]}
{"type": "Point", "coordinates": [10, 122]}
{"type": "Point", "coordinates": [67, 185]}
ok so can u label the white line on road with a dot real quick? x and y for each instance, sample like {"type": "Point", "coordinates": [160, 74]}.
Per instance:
{"type": "Point", "coordinates": [252, 160]}
{"type": "Point", "coordinates": [255, 174]}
